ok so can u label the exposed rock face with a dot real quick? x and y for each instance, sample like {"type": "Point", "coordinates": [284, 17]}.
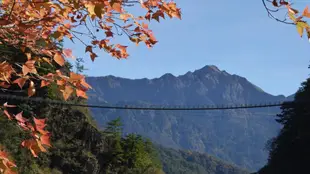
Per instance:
{"type": "Point", "coordinates": [237, 136]}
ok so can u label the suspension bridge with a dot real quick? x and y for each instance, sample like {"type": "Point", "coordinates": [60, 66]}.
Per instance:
{"type": "Point", "coordinates": [158, 107]}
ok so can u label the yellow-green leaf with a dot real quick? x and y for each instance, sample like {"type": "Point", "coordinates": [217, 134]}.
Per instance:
{"type": "Point", "coordinates": [300, 30]}
{"type": "Point", "coordinates": [292, 16]}
{"type": "Point", "coordinates": [303, 24]}
{"type": "Point", "coordinates": [300, 26]}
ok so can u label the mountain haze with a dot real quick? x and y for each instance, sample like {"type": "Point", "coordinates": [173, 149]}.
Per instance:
{"type": "Point", "coordinates": [237, 136]}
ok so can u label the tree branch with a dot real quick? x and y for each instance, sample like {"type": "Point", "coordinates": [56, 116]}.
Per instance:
{"type": "Point", "coordinates": [269, 12]}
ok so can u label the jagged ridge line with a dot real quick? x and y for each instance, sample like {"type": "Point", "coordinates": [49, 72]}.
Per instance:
{"type": "Point", "coordinates": [218, 107]}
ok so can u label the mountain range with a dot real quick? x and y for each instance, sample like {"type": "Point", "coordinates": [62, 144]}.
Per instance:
{"type": "Point", "coordinates": [237, 136]}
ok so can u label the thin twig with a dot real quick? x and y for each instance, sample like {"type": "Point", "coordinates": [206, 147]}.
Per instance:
{"type": "Point", "coordinates": [273, 17]}
{"type": "Point", "coordinates": [117, 25]}
{"type": "Point", "coordinates": [79, 39]}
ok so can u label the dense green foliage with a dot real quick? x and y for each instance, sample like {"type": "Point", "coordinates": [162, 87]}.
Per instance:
{"type": "Point", "coordinates": [186, 162]}
{"type": "Point", "coordinates": [289, 151]}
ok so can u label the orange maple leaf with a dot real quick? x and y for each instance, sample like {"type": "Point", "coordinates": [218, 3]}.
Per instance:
{"type": "Point", "coordinates": [40, 125]}
{"type": "Point", "coordinates": [19, 117]}
{"type": "Point", "coordinates": [116, 5]}
{"type": "Point", "coordinates": [59, 59]}
{"type": "Point", "coordinates": [45, 139]}
{"type": "Point", "coordinates": [81, 93]}
{"type": "Point", "coordinates": [306, 12]}
{"type": "Point", "coordinates": [75, 77]}
{"type": "Point", "coordinates": [67, 92]}
{"type": "Point", "coordinates": [20, 81]}
{"type": "Point", "coordinates": [45, 83]}
{"type": "Point", "coordinates": [29, 67]}
{"type": "Point", "coordinates": [6, 164]}
{"type": "Point", "coordinates": [34, 145]}
{"type": "Point", "coordinates": [86, 85]}
{"type": "Point", "coordinates": [68, 53]}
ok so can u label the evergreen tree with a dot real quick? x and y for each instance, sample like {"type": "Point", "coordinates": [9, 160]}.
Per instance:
{"type": "Point", "coordinates": [115, 153]}
{"type": "Point", "coordinates": [79, 67]}
{"type": "Point", "coordinates": [289, 151]}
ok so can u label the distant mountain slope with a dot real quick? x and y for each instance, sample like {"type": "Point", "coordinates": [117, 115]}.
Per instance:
{"type": "Point", "coordinates": [291, 97]}
{"type": "Point", "coordinates": [182, 162]}
{"type": "Point", "coordinates": [237, 136]}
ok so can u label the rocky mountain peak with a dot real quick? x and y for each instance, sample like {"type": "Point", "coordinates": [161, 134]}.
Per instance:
{"type": "Point", "coordinates": [168, 76]}
{"type": "Point", "coordinates": [208, 69]}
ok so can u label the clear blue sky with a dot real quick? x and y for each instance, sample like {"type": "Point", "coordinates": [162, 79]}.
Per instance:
{"type": "Point", "coordinates": [235, 36]}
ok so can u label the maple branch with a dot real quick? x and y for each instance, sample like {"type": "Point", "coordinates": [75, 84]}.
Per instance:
{"type": "Point", "coordinates": [92, 34]}
{"type": "Point", "coordinates": [77, 32]}
{"type": "Point", "coordinates": [118, 32]}
{"type": "Point", "coordinates": [117, 25]}
{"type": "Point", "coordinates": [269, 12]}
